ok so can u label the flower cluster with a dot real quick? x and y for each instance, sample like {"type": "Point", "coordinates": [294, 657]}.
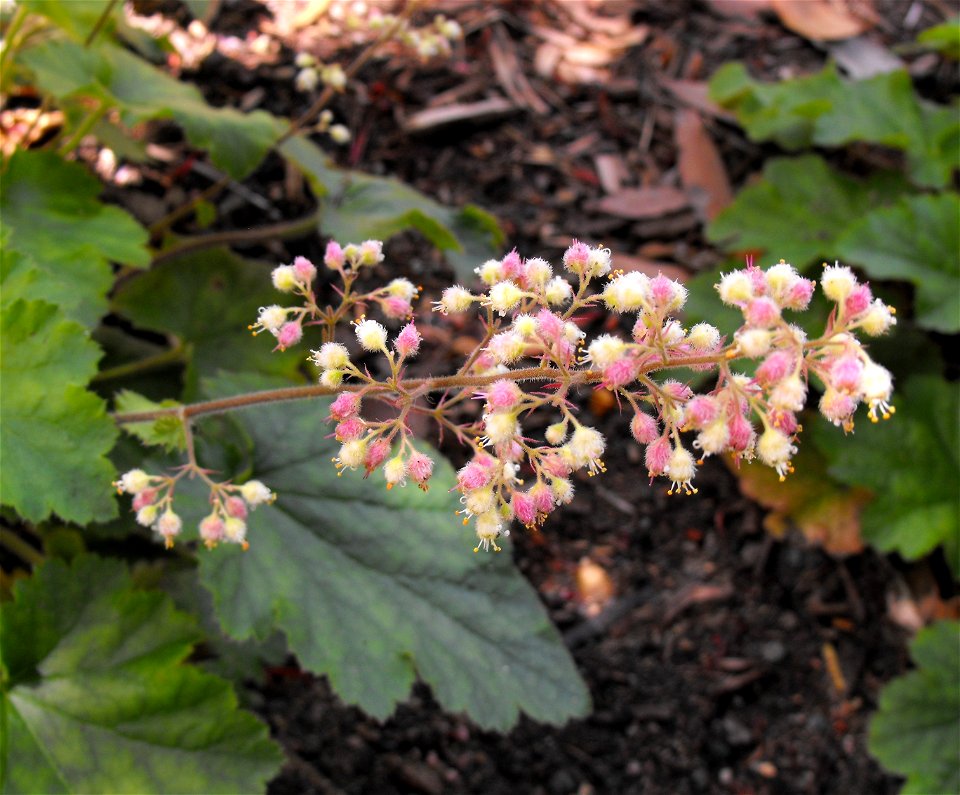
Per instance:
{"type": "Point", "coordinates": [226, 522]}
{"type": "Point", "coordinates": [534, 333]}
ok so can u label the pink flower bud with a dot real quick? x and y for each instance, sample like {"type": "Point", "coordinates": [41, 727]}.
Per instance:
{"type": "Point", "coordinates": [346, 405]}
{"type": "Point", "coordinates": [333, 257]}
{"type": "Point", "coordinates": [503, 394]}
{"type": "Point", "coordinates": [542, 496]}
{"type": "Point", "coordinates": [676, 390]}
{"type": "Point", "coordinates": [290, 334]}
{"type": "Point", "coordinates": [700, 411]}
{"type": "Point", "coordinates": [620, 373]}
{"type": "Point", "coordinates": [473, 476]}
{"type": "Point", "coordinates": [144, 498]}
{"type": "Point", "coordinates": [785, 421]}
{"type": "Point", "coordinates": [644, 428]}
{"type": "Point", "coordinates": [510, 265]}
{"type": "Point", "coordinates": [761, 313]}
{"type": "Point", "coordinates": [376, 454]}
{"type": "Point", "coordinates": [211, 529]}
{"type": "Point", "coordinates": [235, 507]}
{"type": "Point", "coordinates": [757, 280]}
{"type": "Point", "coordinates": [837, 406]}
{"type": "Point", "coordinates": [741, 433]}
{"type": "Point", "coordinates": [775, 368]}
{"type": "Point", "coordinates": [304, 270]}
{"type": "Point", "coordinates": [858, 300]}
{"type": "Point", "coordinates": [798, 298]}
{"type": "Point", "coordinates": [350, 428]}
{"type": "Point", "coordinates": [420, 468]}
{"type": "Point", "coordinates": [408, 341]}
{"type": "Point", "coordinates": [576, 257]}
{"type": "Point", "coordinates": [846, 373]}
{"type": "Point", "coordinates": [524, 509]}
{"type": "Point", "coordinates": [396, 307]}
{"type": "Point", "coordinates": [657, 456]}
{"type": "Point", "coordinates": [549, 325]}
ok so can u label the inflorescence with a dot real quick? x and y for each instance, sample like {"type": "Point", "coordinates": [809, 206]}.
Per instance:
{"type": "Point", "coordinates": [533, 357]}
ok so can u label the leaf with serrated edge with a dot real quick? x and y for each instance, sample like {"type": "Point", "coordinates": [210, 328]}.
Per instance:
{"type": "Point", "coordinates": [798, 209]}
{"type": "Point", "coordinates": [55, 433]}
{"type": "Point", "coordinates": [208, 299]}
{"type": "Point", "coordinates": [54, 218]}
{"type": "Point", "coordinates": [917, 239]}
{"type": "Point", "coordinates": [916, 730]}
{"type": "Point", "coordinates": [357, 206]}
{"type": "Point", "coordinates": [374, 587]}
{"type": "Point", "coordinates": [97, 698]}
{"type": "Point", "coordinates": [237, 142]}
{"type": "Point", "coordinates": [911, 462]}
{"type": "Point", "coordinates": [166, 432]}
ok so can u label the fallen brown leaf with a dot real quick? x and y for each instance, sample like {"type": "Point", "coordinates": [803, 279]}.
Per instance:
{"type": "Point", "coordinates": [825, 20]}
{"type": "Point", "coordinates": [701, 167]}
{"type": "Point", "coordinates": [639, 203]}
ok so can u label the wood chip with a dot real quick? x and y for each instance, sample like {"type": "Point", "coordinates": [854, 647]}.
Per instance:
{"type": "Point", "coordinates": [832, 662]}
{"type": "Point", "coordinates": [701, 168]}
{"type": "Point", "coordinates": [476, 112]}
{"type": "Point", "coordinates": [639, 203]}
{"type": "Point", "coordinates": [694, 594]}
{"type": "Point", "coordinates": [594, 587]}
{"type": "Point", "coordinates": [509, 72]}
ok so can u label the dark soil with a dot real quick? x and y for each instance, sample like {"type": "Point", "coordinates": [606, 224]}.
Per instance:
{"type": "Point", "coordinates": [726, 661]}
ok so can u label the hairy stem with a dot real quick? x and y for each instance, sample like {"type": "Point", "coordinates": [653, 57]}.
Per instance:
{"type": "Point", "coordinates": [420, 385]}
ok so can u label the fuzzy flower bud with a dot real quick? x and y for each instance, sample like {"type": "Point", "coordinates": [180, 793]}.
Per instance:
{"type": "Point", "coordinates": [753, 342]}
{"type": "Point", "coordinates": [837, 282]}
{"type": "Point", "coordinates": [395, 472]}
{"type": "Point", "coordinates": [503, 394]}
{"type": "Point", "coordinates": [371, 253]}
{"type": "Point", "coordinates": [536, 273]}
{"type": "Point", "coordinates": [235, 531]}
{"type": "Point", "coordinates": [255, 493]}
{"type": "Point", "coordinates": [376, 454]}
{"type": "Point", "coordinates": [644, 428]}
{"type": "Point", "coordinates": [133, 482]}
{"type": "Point", "coordinates": [289, 335]}
{"type": "Point", "coordinates": [490, 272]}
{"type": "Point", "coordinates": [586, 445]}
{"type": "Point", "coordinates": [735, 288]}
{"type": "Point", "coordinates": [235, 506]}
{"type": "Point", "coordinates": [556, 433]}
{"type": "Point", "coordinates": [372, 335]}
{"type": "Point", "coordinates": [605, 350]}
{"type": "Point", "coordinates": [877, 319]}
{"type": "Point", "coordinates": [270, 318]}
{"type": "Point", "coordinates": [347, 404]}
{"type": "Point", "coordinates": [420, 468]}
{"type": "Point", "coordinates": [284, 278]}
{"type": "Point", "coordinates": [454, 300]}
{"type": "Point", "coordinates": [704, 337]}
{"type": "Point", "coordinates": [408, 341]}
{"type": "Point", "coordinates": [304, 270]}
{"type": "Point", "coordinates": [331, 379]}
{"type": "Point", "coordinates": [557, 291]}
{"type": "Point", "coordinates": [504, 296]}
{"type": "Point", "coordinates": [211, 530]}
{"type": "Point", "coordinates": [627, 293]}
{"type": "Point", "coordinates": [681, 469]}
{"type": "Point", "coordinates": [500, 427]}
{"type": "Point", "coordinates": [169, 526]}
{"type": "Point", "coordinates": [147, 515]}
{"type": "Point", "coordinates": [775, 450]}
{"type": "Point", "coordinates": [489, 528]}
{"type": "Point", "coordinates": [331, 356]}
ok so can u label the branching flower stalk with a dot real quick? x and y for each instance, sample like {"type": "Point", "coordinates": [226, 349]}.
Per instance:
{"type": "Point", "coordinates": [533, 357]}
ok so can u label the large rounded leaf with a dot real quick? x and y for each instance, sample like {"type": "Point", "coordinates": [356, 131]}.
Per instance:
{"type": "Point", "coordinates": [374, 587]}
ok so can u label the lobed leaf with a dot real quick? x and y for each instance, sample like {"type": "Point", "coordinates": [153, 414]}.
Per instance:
{"type": "Point", "coordinates": [96, 699]}
{"type": "Point", "coordinates": [64, 234]}
{"type": "Point", "coordinates": [944, 38]}
{"type": "Point", "coordinates": [915, 504]}
{"type": "Point", "coordinates": [208, 299]}
{"type": "Point", "coordinates": [166, 432]}
{"type": "Point", "coordinates": [376, 587]}
{"type": "Point", "coordinates": [236, 142]}
{"type": "Point", "coordinates": [917, 240]}
{"type": "Point", "coordinates": [916, 730]}
{"type": "Point", "coordinates": [357, 207]}
{"type": "Point", "coordinates": [799, 209]}
{"type": "Point", "coordinates": [55, 433]}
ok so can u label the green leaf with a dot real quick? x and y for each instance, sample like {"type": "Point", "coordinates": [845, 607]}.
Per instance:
{"type": "Point", "coordinates": [55, 434]}
{"type": "Point", "coordinates": [916, 730]}
{"type": "Point", "coordinates": [798, 210]}
{"type": "Point", "coordinates": [208, 299]}
{"type": "Point", "coordinates": [64, 232]}
{"type": "Point", "coordinates": [785, 112]}
{"type": "Point", "coordinates": [912, 464]}
{"type": "Point", "coordinates": [917, 240]}
{"type": "Point", "coordinates": [75, 17]}
{"type": "Point", "coordinates": [166, 432]}
{"type": "Point", "coordinates": [885, 109]}
{"type": "Point", "coordinates": [944, 38]}
{"type": "Point", "coordinates": [375, 587]}
{"type": "Point", "coordinates": [96, 697]}
{"type": "Point", "coordinates": [357, 207]}
{"type": "Point", "coordinates": [237, 142]}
